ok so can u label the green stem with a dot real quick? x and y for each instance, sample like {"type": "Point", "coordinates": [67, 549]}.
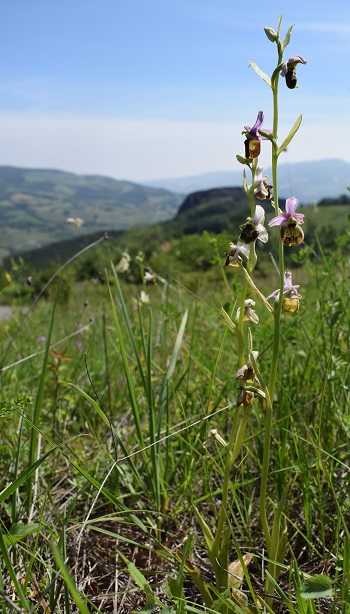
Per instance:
{"type": "Point", "coordinates": [264, 475]}
{"type": "Point", "coordinates": [272, 537]}
{"type": "Point", "coordinates": [240, 326]}
{"type": "Point", "coordinates": [233, 449]}
{"type": "Point", "coordinates": [278, 308]}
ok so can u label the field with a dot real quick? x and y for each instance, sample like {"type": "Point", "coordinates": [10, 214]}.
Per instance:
{"type": "Point", "coordinates": [133, 478]}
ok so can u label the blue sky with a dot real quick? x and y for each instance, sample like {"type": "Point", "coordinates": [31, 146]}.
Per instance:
{"type": "Point", "coordinates": [144, 89]}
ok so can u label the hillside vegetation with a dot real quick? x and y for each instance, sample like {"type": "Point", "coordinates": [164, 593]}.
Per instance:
{"type": "Point", "coordinates": [35, 204]}
{"type": "Point", "coordinates": [193, 242]}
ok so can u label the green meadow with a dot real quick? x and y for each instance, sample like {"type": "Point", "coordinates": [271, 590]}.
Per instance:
{"type": "Point", "coordinates": [118, 400]}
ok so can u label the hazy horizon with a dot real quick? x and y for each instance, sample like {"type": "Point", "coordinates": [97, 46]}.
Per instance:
{"type": "Point", "coordinates": [148, 89]}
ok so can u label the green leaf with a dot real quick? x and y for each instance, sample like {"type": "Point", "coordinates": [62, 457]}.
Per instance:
{"type": "Point", "coordinates": [19, 532]}
{"type": "Point", "coordinates": [23, 477]}
{"type": "Point", "coordinates": [93, 403]}
{"type": "Point", "coordinates": [177, 347]}
{"type": "Point", "coordinates": [257, 291]}
{"type": "Point", "coordinates": [291, 134]}
{"type": "Point", "coordinates": [225, 315]}
{"type": "Point", "coordinates": [286, 39]}
{"type": "Point", "coordinates": [252, 258]}
{"type": "Point", "coordinates": [208, 535]}
{"type": "Point", "coordinates": [140, 580]}
{"type": "Point", "coordinates": [261, 74]}
{"type": "Point", "coordinates": [76, 595]}
{"type": "Point", "coordinates": [315, 587]}
{"type": "Point", "coordinates": [242, 160]}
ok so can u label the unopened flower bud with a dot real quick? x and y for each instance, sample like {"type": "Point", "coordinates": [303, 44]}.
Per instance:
{"type": "Point", "coordinates": [271, 34]}
{"type": "Point", "coordinates": [213, 436]}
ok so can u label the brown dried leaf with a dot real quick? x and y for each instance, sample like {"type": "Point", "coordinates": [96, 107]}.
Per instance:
{"type": "Point", "coordinates": [236, 573]}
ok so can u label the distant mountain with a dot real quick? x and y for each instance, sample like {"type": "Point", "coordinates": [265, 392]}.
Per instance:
{"type": "Point", "coordinates": [35, 204]}
{"type": "Point", "coordinates": [308, 181]}
{"type": "Point", "coordinates": [219, 210]}
{"type": "Point", "coordinates": [214, 210]}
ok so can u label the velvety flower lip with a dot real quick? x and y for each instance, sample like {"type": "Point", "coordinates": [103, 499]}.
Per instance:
{"type": "Point", "coordinates": [291, 64]}
{"type": "Point", "coordinates": [283, 218]}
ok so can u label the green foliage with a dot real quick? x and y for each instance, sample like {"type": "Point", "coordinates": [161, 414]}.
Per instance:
{"type": "Point", "coordinates": [34, 206]}
{"type": "Point", "coordinates": [315, 587]}
{"type": "Point", "coordinates": [158, 384]}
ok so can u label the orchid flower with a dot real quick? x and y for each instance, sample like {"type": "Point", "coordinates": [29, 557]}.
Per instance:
{"type": "Point", "coordinates": [289, 289]}
{"type": "Point", "coordinates": [233, 257]}
{"type": "Point", "coordinates": [291, 296]}
{"type": "Point", "coordinates": [261, 189]}
{"type": "Point", "coordinates": [252, 142]}
{"type": "Point", "coordinates": [249, 313]}
{"type": "Point", "coordinates": [149, 278]}
{"type": "Point", "coordinates": [144, 298]}
{"type": "Point", "coordinates": [291, 233]}
{"type": "Point", "coordinates": [246, 372]}
{"type": "Point", "coordinates": [283, 218]}
{"type": "Point", "coordinates": [289, 70]}
{"type": "Point", "coordinates": [254, 227]}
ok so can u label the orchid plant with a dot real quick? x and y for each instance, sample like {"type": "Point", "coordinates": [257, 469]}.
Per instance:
{"type": "Point", "coordinates": [242, 256]}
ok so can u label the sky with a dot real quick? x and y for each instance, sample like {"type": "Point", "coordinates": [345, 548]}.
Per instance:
{"type": "Point", "coordinates": [150, 89]}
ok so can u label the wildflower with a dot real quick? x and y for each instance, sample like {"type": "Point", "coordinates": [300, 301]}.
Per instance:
{"type": "Point", "coordinates": [140, 256]}
{"type": "Point", "coordinates": [249, 313]}
{"type": "Point", "coordinates": [289, 70]}
{"type": "Point", "coordinates": [252, 142]}
{"type": "Point", "coordinates": [149, 278]}
{"type": "Point", "coordinates": [144, 298]}
{"type": "Point", "coordinates": [261, 189]}
{"type": "Point", "coordinates": [254, 227]}
{"type": "Point", "coordinates": [291, 233]}
{"type": "Point", "coordinates": [233, 257]}
{"type": "Point", "coordinates": [76, 221]}
{"type": "Point", "coordinates": [245, 397]}
{"type": "Point", "coordinates": [124, 263]}
{"type": "Point", "coordinates": [246, 372]}
{"type": "Point", "coordinates": [42, 339]}
{"type": "Point", "coordinates": [290, 301]}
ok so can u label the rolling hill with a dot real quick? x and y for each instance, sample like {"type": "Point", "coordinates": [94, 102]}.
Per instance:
{"type": "Point", "coordinates": [308, 181]}
{"type": "Point", "coordinates": [220, 210]}
{"type": "Point", "coordinates": [34, 206]}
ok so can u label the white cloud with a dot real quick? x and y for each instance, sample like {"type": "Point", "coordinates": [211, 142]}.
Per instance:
{"type": "Point", "coordinates": [145, 148]}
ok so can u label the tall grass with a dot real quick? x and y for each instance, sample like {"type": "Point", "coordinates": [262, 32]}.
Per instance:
{"type": "Point", "coordinates": [122, 480]}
